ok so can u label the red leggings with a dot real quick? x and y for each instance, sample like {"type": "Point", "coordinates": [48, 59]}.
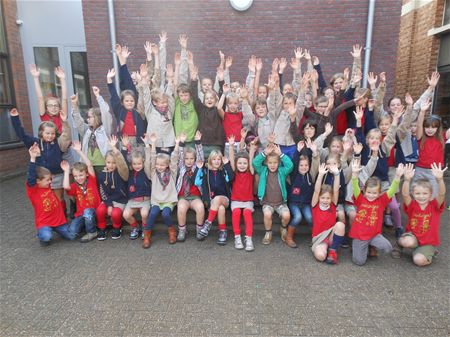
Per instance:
{"type": "Point", "coordinates": [102, 213]}
{"type": "Point", "coordinates": [236, 221]}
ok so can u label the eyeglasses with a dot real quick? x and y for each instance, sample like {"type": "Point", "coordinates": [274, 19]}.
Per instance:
{"type": "Point", "coordinates": [52, 105]}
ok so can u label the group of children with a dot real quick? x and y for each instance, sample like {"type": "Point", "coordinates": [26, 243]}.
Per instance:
{"type": "Point", "coordinates": [328, 155]}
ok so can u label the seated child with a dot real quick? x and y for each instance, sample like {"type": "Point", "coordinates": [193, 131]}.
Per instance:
{"type": "Point", "coordinates": [272, 188]}
{"type": "Point", "coordinates": [48, 212]}
{"type": "Point", "coordinates": [367, 226]}
{"type": "Point", "coordinates": [424, 213]}
{"type": "Point", "coordinates": [85, 192]}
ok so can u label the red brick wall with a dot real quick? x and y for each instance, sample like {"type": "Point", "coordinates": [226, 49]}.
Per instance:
{"type": "Point", "coordinates": [418, 52]}
{"type": "Point", "coordinates": [14, 160]}
{"type": "Point", "coordinates": [268, 29]}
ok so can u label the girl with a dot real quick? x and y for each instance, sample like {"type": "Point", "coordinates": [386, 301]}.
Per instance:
{"type": "Point", "coordinates": [85, 191]}
{"type": "Point", "coordinates": [273, 167]}
{"type": "Point", "coordinates": [264, 122]}
{"type": "Point", "coordinates": [131, 123]}
{"type": "Point", "coordinates": [431, 146]}
{"type": "Point", "coordinates": [51, 150]}
{"type": "Point", "coordinates": [242, 194]}
{"type": "Point", "coordinates": [163, 174]}
{"type": "Point", "coordinates": [51, 109]}
{"type": "Point", "coordinates": [138, 189]}
{"type": "Point", "coordinates": [214, 181]}
{"type": "Point", "coordinates": [189, 195]}
{"type": "Point", "coordinates": [113, 191]}
{"type": "Point", "coordinates": [367, 226]}
{"type": "Point", "coordinates": [210, 122]}
{"type": "Point", "coordinates": [48, 213]}
{"type": "Point", "coordinates": [424, 212]}
{"type": "Point", "coordinates": [232, 119]}
{"type": "Point", "coordinates": [96, 131]}
{"type": "Point", "coordinates": [301, 189]}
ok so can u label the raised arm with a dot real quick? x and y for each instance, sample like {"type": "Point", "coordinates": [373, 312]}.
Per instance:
{"type": "Point", "coordinates": [76, 145]}
{"type": "Point", "coordinates": [59, 72]}
{"type": "Point", "coordinates": [18, 128]}
{"type": "Point", "coordinates": [356, 67]}
{"type": "Point", "coordinates": [405, 124]}
{"type": "Point", "coordinates": [78, 121]}
{"type": "Point", "coordinates": [408, 175]}
{"type": "Point", "coordinates": [35, 72]}
{"type": "Point", "coordinates": [438, 173]}
{"type": "Point", "coordinates": [317, 187]}
{"type": "Point", "coordinates": [163, 57]}
{"type": "Point", "coordinates": [121, 164]}
{"type": "Point", "coordinates": [34, 152]}
{"type": "Point", "coordinates": [183, 75]}
{"type": "Point", "coordinates": [107, 118]}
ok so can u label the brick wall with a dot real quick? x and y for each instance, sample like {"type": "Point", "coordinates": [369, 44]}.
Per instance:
{"type": "Point", "coordinates": [268, 29]}
{"type": "Point", "coordinates": [417, 52]}
{"type": "Point", "coordinates": [15, 159]}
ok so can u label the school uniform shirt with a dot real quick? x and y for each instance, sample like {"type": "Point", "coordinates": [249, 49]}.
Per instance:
{"type": "Point", "coordinates": [431, 152]}
{"type": "Point", "coordinates": [47, 207]}
{"type": "Point", "coordinates": [232, 125]}
{"type": "Point", "coordinates": [242, 187]}
{"type": "Point", "coordinates": [86, 196]}
{"type": "Point", "coordinates": [323, 220]}
{"type": "Point", "coordinates": [369, 218]}
{"type": "Point", "coordinates": [424, 223]}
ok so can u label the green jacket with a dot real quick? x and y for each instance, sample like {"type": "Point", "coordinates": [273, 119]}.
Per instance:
{"type": "Point", "coordinates": [284, 169]}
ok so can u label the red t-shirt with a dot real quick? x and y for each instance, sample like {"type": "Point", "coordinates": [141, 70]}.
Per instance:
{"type": "Point", "coordinates": [129, 128]}
{"type": "Point", "coordinates": [424, 223]}
{"type": "Point", "coordinates": [48, 210]}
{"type": "Point", "coordinates": [432, 152]}
{"type": "Point", "coordinates": [242, 188]}
{"type": "Point", "coordinates": [232, 125]}
{"type": "Point", "coordinates": [55, 119]}
{"type": "Point", "coordinates": [369, 218]}
{"type": "Point", "coordinates": [323, 220]}
{"type": "Point", "coordinates": [89, 198]}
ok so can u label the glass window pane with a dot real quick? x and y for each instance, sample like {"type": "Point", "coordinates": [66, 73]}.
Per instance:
{"type": "Point", "coordinates": [80, 79]}
{"type": "Point", "coordinates": [47, 59]}
{"type": "Point", "coordinates": [5, 89]}
{"type": "Point", "coordinates": [7, 134]}
{"type": "Point", "coordinates": [442, 95]}
{"type": "Point", "coordinates": [3, 48]}
{"type": "Point", "coordinates": [447, 13]}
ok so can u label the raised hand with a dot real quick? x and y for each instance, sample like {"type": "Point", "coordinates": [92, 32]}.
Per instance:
{"type": "Point", "coordinates": [311, 145]}
{"type": "Point", "coordinates": [333, 168]}
{"type": "Point", "coordinates": [113, 141]}
{"type": "Point", "coordinates": [148, 49]}
{"type": "Point", "coordinates": [194, 72]}
{"type": "Point", "coordinates": [183, 39]}
{"type": "Point", "coordinates": [275, 64]}
{"type": "Point", "coordinates": [408, 99]}
{"type": "Point", "coordinates": [357, 77]}
{"type": "Point", "coordinates": [307, 55]}
{"type": "Point", "coordinates": [169, 71]}
{"type": "Point", "coordinates": [372, 79]}
{"type": "Point", "coordinates": [95, 90]}
{"type": "Point", "coordinates": [190, 58]}
{"type": "Point", "coordinates": [298, 53]}
{"type": "Point", "coordinates": [231, 139]}
{"type": "Point", "coordinates": [328, 129]}
{"type": "Point", "coordinates": [356, 166]}
{"type": "Point", "coordinates": [357, 148]}
{"type": "Point", "coordinates": [198, 136]}
{"type": "Point", "coordinates": [244, 132]}
{"type": "Point", "coordinates": [35, 72]}
{"type": "Point", "coordinates": [276, 149]}
{"type": "Point", "coordinates": [153, 138]}
{"type": "Point", "coordinates": [316, 61]}
{"type": "Point", "coordinates": [243, 92]}
{"type": "Point", "coordinates": [398, 114]}
{"type": "Point", "coordinates": [271, 82]}
{"type": "Point", "coordinates": [399, 170]}
{"type": "Point", "coordinates": [155, 49]}
{"type": "Point", "coordinates": [76, 145]}
{"type": "Point", "coordinates": [259, 64]}
{"type": "Point", "coordinates": [283, 65]}
{"type": "Point", "coordinates": [295, 63]}
{"type": "Point", "coordinates": [371, 104]}
{"type": "Point", "coordinates": [409, 171]}
{"type": "Point", "coordinates": [300, 145]}
{"type": "Point", "coordinates": [74, 100]}
{"type": "Point", "coordinates": [438, 171]}
{"type": "Point", "coordinates": [226, 88]}
{"type": "Point", "coordinates": [323, 169]}
{"type": "Point", "coordinates": [225, 160]}
{"type": "Point", "coordinates": [433, 81]}
{"type": "Point", "coordinates": [199, 163]}
{"type": "Point", "coordinates": [252, 63]}
{"type": "Point", "coordinates": [382, 77]}
{"type": "Point", "coordinates": [163, 37]}
{"type": "Point", "coordinates": [220, 74]}
{"type": "Point", "coordinates": [59, 72]}
{"type": "Point", "coordinates": [177, 59]}
{"type": "Point", "coordinates": [228, 62]}
{"type": "Point", "coordinates": [14, 112]}
{"type": "Point", "coordinates": [425, 105]}
{"type": "Point", "coordinates": [356, 51]}
{"type": "Point", "coordinates": [34, 151]}
{"type": "Point", "coordinates": [182, 137]}
{"type": "Point", "coordinates": [65, 166]}
{"type": "Point", "coordinates": [110, 75]}
{"type": "Point", "coordinates": [126, 140]}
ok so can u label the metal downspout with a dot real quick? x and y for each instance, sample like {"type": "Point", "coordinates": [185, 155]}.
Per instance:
{"type": "Point", "coordinates": [368, 46]}
{"type": "Point", "coordinates": [112, 31]}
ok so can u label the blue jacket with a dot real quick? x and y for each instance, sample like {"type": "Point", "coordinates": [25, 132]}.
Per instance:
{"type": "Point", "coordinates": [220, 185]}
{"type": "Point", "coordinates": [138, 185]}
{"type": "Point", "coordinates": [382, 169]}
{"type": "Point", "coordinates": [112, 187]}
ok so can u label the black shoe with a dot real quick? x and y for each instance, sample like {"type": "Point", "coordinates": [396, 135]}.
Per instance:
{"type": "Point", "coordinates": [44, 243]}
{"type": "Point", "coordinates": [116, 233]}
{"type": "Point", "coordinates": [101, 236]}
{"type": "Point", "coordinates": [345, 243]}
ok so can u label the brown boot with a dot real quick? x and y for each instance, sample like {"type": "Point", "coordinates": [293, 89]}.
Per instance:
{"type": "Point", "coordinates": [147, 238]}
{"type": "Point", "coordinates": [172, 235]}
{"type": "Point", "coordinates": [290, 237]}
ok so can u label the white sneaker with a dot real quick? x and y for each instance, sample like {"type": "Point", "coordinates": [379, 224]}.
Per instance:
{"type": "Point", "coordinates": [249, 244]}
{"type": "Point", "coordinates": [238, 242]}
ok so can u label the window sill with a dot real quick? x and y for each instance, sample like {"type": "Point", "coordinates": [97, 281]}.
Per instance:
{"type": "Point", "coordinates": [12, 145]}
{"type": "Point", "coordinates": [439, 30]}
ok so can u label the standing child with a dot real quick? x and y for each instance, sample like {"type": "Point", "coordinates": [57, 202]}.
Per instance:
{"type": "Point", "coordinates": [424, 213]}
{"type": "Point", "coordinates": [113, 191]}
{"type": "Point", "coordinates": [242, 194]}
{"type": "Point", "coordinates": [48, 212]}
{"type": "Point", "coordinates": [214, 181]}
{"type": "Point", "coordinates": [189, 195]}
{"type": "Point", "coordinates": [273, 167]}
{"type": "Point", "coordinates": [85, 191]}
{"type": "Point", "coordinates": [367, 226]}
{"type": "Point", "coordinates": [327, 233]}
{"type": "Point", "coordinates": [163, 175]}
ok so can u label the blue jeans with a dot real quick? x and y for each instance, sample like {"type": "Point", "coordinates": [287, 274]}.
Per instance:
{"type": "Point", "coordinates": [87, 220]}
{"type": "Point", "coordinates": [298, 212]}
{"type": "Point", "coordinates": [45, 234]}
{"type": "Point", "coordinates": [166, 213]}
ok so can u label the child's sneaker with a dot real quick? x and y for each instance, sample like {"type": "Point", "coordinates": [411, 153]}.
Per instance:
{"type": "Point", "coordinates": [238, 242]}
{"type": "Point", "coordinates": [345, 243]}
{"type": "Point", "coordinates": [332, 257]}
{"type": "Point", "coordinates": [267, 239]}
{"type": "Point", "coordinates": [181, 234]}
{"type": "Point", "coordinates": [388, 220]}
{"type": "Point", "coordinates": [204, 231]}
{"type": "Point", "coordinates": [134, 233]}
{"type": "Point", "coordinates": [89, 237]}
{"type": "Point", "coordinates": [249, 244]}
{"type": "Point", "coordinates": [222, 239]}
{"type": "Point", "coordinates": [116, 233]}
{"type": "Point", "coordinates": [396, 251]}
{"type": "Point", "coordinates": [101, 235]}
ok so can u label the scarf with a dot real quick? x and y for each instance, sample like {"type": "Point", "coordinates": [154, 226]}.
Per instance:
{"type": "Point", "coordinates": [163, 113]}
{"type": "Point", "coordinates": [186, 184]}
{"type": "Point", "coordinates": [92, 145]}
{"type": "Point", "coordinates": [164, 178]}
